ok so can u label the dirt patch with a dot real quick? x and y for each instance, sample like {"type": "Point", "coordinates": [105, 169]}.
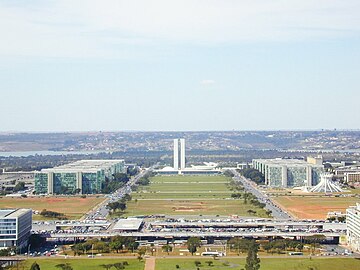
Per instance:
{"type": "Point", "coordinates": [313, 207]}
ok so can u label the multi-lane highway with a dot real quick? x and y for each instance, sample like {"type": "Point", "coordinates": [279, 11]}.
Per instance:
{"type": "Point", "coordinates": [249, 186]}
{"type": "Point", "coordinates": [101, 212]}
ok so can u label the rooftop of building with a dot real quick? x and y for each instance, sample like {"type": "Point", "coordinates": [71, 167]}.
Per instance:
{"type": "Point", "coordinates": [92, 165]}
{"type": "Point", "coordinates": [128, 224]}
{"type": "Point", "coordinates": [11, 213]}
{"type": "Point", "coordinates": [286, 162]}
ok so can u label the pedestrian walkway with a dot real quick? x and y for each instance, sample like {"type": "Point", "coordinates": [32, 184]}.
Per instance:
{"type": "Point", "coordinates": [150, 264]}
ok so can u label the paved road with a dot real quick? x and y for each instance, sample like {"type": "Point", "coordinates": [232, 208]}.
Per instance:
{"type": "Point", "coordinates": [101, 211]}
{"type": "Point", "coordinates": [249, 186]}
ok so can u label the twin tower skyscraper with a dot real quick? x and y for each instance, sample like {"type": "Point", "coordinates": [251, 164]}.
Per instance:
{"type": "Point", "coordinates": [179, 148]}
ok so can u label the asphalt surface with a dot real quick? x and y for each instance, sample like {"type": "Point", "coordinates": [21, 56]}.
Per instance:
{"type": "Point", "coordinates": [101, 212]}
{"type": "Point", "coordinates": [250, 186]}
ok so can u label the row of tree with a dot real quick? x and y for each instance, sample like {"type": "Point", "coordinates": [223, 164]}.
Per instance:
{"type": "Point", "coordinates": [119, 205]}
{"type": "Point", "coordinates": [52, 214]}
{"type": "Point", "coordinates": [117, 181]}
{"type": "Point", "coordinates": [245, 245]}
{"type": "Point", "coordinates": [253, 175]}
{"type": "Point", "coordinates": [116, 243]}
{"type": "Point", "coordinates": [67, 266]}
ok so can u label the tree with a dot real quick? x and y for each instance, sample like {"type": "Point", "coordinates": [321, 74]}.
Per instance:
{"type": "Point", "coordinates": [119, 266]}
{"type": "Point", "coordinates": [107, 266]}
{"type": "Point", "coordinates": [141, 252]}
{"type": "Point", "coordinates": [239, 244]}
{"type": "Point", "coordinates": [64, 266]}
{"type": "Point", "coordinates": [35, 266]}
{"type": "Point", "coordinates": [127, 197]}
{"type": "Point", "coordinates": [246, 196]}
{"type": "Point", "coordinates": [19, 186]}
{"type": "Point", "coordinates": [114, 206]}
{"type": "Point", "coordinates": [192, 244]}
{"type": "Point", "coordinates": [315, 240]}
{"type": "Point", "coordinates": [121, 177]}
{"type": "Point", "coordinates": [252, 260]}
{"type": "Point", "coordinates": [78, 249]}
{"type": "Point", "coordinates": [209, 263]}
{"type": "Point", "coordinates": [167, 248]}
{"type": "Point", "coordinates": [116, 245]}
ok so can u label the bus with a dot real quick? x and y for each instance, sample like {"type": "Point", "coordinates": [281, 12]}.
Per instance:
{"type": "Point", "coordinates": [295, 253]}
{"type": "Point", "coordinates": [213, 253]}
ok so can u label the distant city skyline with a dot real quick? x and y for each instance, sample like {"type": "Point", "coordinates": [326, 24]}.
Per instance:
{"type": "Point", "coordinates": [179, 65]}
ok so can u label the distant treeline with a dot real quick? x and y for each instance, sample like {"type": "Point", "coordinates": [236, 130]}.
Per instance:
{"type": "Point", "coordinates": [148, 158]}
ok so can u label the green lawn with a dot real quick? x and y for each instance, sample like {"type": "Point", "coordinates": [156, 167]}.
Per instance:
{"type": "Point", "coordinates": [83, 264]}
{"type": "Point", "coordinates": [191, 207]}
{"type": "Point", "coordinates": [188, 195]}
{"type": "Point", "coordinates": [182, 195]}
{"type": "Point", "coordinates": [266, 264]}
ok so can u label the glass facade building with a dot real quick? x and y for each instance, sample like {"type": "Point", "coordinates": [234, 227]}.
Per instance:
{"type": "Point", "coordinates": [84, 176]}
{"type": "Point", "coordinates": [288, 172]}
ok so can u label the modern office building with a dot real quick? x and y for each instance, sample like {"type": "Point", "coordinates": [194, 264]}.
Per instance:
{"type": "Point", "coordinates": [315, 160]}
{"type": "Point", "coordinates": [352, 178]}
{"type": "Point", "coordinates": [182, 154]}
{"type": "Point", "coordinates": [179, 166]}
{"type": "Point", "coordinates": [353, 227]}
{"type": "Point", "coordinates": [15, 227]}
{"type": "Point", "coordinates": [179, 148]}
{"type": "Point", "coordinates": [176, 154]}
{"type": "Point", "coordinates": [83, 176]}
{"type": "Point", "coordinates": [288, 172]}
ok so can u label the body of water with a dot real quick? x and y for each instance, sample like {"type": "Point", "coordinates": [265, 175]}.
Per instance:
{"type": "Point", "coordinates": [48, 153]}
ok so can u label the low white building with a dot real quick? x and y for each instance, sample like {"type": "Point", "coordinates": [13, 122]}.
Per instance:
{"type": "Point", "coordinates": [128, 224]}
{"type": "Point", "coordinates": [353, 227]}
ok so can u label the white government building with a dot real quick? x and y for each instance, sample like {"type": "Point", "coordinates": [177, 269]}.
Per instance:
{"type": "Point", "coordinates": [353, 227]}
{"type": "Point", "coordinates": [179, 163]}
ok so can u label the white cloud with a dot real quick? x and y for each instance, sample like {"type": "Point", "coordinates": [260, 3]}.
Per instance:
{"type": "Point", "coordinates": [104, 28]}
{"type": "Point", "coordinates": [207, 82]}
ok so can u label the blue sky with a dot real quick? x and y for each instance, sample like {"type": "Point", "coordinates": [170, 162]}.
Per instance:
{"type": "Point", "coordinates": [179, 65]}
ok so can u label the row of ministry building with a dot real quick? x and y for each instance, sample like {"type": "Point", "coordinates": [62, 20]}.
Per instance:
{"type": "Point", "coordinates": [290, 172]}
{"type": "Point", "coordinates": [83, 176]}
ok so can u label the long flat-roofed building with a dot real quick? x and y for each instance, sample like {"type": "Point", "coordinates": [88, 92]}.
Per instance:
{"type": "Point", "coordinates": [353, 227]}
{"type": "Point", "coordinates": [288, 172]}
{"type": "Point", "coordinates": [15, 227]}
{"type": "Point", "coordinates": [83, 176]}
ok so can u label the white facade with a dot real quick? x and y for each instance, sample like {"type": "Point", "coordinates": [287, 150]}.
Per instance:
{"type": "Point", "coordinates": [182, 154]}
{"type": "Point", "coordinates": [326, 184]}
{"type": "Point", "coordinates": [179, 164]}
{"type": "Point", "coordinates": [15, 227]}
{"type": "Point", "coordinates": [353, 227]}
{"type": "Point", "coordinates": [176, 154]}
